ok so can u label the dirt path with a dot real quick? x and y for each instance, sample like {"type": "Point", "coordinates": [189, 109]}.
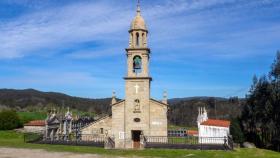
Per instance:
{"type": "Point", "coordinates": [38, 153]}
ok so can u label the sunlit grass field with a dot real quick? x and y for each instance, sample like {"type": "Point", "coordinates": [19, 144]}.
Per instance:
{"type": "Point", "coordinates": [15, 140]}
{"type": "Point", "coordinates": [29, 116]}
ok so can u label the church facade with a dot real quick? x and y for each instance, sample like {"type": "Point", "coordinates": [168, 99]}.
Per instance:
{"type": "Point", "coordinates": [138, 115]}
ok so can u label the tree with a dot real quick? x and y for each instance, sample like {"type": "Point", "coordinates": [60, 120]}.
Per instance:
{"type": "Point", "coordinates": [275, 68]}
{"type": "Point", "coordinates": [236, 132]}
{"type": "Point", "coordinates": [9, 120]}
{"type": "Point", "coordinates": [261, 114]}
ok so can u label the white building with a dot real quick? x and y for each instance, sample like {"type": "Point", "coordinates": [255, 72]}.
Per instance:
{"type": "Point", "coordinates": [35, 126]}
{"type": "Point", "coordinates": [211, 131]}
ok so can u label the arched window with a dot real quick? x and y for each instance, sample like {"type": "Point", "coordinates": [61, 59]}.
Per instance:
{"type": "Point", "coordinates": [143, 38]}
{"type": "Point", "coordinates": [137, 39]}
{"type": "Point", "coordinates": [137, 64]}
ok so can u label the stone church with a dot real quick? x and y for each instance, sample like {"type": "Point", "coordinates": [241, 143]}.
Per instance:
{"type": "Point", "coordinates": [138, 115]}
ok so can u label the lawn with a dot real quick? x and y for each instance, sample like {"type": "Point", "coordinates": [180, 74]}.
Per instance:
{"type": "Point", "coordinates": [15, 140]}
{"type": "Point", "coordinates": [29, 116]}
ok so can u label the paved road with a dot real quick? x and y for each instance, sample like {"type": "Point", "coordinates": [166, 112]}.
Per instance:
{"type": "Point", "coordinates": [38, 153]}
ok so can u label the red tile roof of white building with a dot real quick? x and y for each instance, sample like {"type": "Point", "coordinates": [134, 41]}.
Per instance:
{"type": "Point", "coordinates": [36, 123]}
{"type": "Point", "coordinates": [218, 123]}
{"type": "Point", "coordinates": [192, 132]}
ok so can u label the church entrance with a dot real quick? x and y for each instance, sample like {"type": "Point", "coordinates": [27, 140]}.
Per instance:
{"type": "Point", "coordinates": [136, 139]}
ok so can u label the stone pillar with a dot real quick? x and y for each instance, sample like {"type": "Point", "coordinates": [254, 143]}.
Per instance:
{"type": "Point", "coordinates": [134, 39]}
{"type": "Point", "coordinates": [145, 40]}
{"type": "Point", "coordinates": [70, 127]}
{"type": "Point", "coordinates": [164, 97]}
{"type": "Point", "coordinates": [130, 40]}
{"type": "Point", "coordinates": [129, 64]}
{"type": "Point", "coordinates": [46, 132]}
{"type": "Point", "coordinates": [114, 101]}
{"type": "Point", "coordinates": [52, 134]}
{"type": "Point", "coordinates": [141, 44]}
{"type": "Point", "coordinates": [145, 65]}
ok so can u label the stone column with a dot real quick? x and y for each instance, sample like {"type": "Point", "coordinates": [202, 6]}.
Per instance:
{"type": "Point", "coordinates": [130, 39]}
{"type": "Point", "coordinates": [141, 44]}
{"type": "Point", "coordinates": [46, 132]}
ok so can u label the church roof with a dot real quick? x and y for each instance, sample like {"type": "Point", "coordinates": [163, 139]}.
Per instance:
{"type": "Point", "coordinates": [159, 102]}
{"type": "Point", "coordinates": [98, 120]}
{"type": "Point", "coordinates": [36, 123]}
{"type": "Point", "coordinates": [138, 22]}
{"type": "Point", "coordinates": [218, 123]}
{"type": "Point", "coordinates": [118, 102]}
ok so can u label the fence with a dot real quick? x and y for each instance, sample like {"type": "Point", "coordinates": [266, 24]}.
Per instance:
{"type": "Point", "coordinates": [32, 137]}
{"type": "Point", "coordinates": [80, 140]}
{"type": "Point", "coordinates": [189, 142]}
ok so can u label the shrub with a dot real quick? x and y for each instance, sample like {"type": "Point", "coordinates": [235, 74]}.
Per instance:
{"type": "Point", "coordinates": [9, 120]}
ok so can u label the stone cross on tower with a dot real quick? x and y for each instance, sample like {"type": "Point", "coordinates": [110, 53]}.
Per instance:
{"type": "Point", "coordinates": [136, 88]}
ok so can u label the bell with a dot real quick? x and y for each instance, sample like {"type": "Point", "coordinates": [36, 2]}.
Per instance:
{"type": "Point", "coordinates": [137, 63]}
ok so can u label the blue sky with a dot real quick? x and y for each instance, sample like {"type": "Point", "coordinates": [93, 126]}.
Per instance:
{"type": "Point", "coordinates": [199, 47]}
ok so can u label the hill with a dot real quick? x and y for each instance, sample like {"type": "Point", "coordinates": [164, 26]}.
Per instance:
{"type": "Point", "coordinates": [30, 99]}
{"type": "Point", "coordinates": [182, 111]}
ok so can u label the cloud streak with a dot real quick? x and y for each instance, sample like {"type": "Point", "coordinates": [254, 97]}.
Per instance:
{"type": "Point", "coordinates": [58, 27]}
{"type": "Point", "coordinates": [81, 43]}
{"type": "Point", "coordinates": [75, 23]}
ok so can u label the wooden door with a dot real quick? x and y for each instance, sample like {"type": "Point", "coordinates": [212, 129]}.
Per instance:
{"type": "Point", "coordinates": [136, 139]}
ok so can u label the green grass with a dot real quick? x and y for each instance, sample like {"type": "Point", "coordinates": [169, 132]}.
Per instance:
{"type": "Point", "coordinates": [29, 116]}
{"type": "Point", "coordinates": [25, 117]}
{"type": "Point", "coordinates": [183, 140]}
{"type": "Point", "coordinates": [15, 140]}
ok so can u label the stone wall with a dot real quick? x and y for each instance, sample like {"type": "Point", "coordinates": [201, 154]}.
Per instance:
{"type": "Point", "coordinates": [33, 129]}
{"type": "Point", "coordinates": [99, 128]}
{"type": "Point", "coordinates": [158, 119]}
{"type": "Point", "coordinates": [118, 117]}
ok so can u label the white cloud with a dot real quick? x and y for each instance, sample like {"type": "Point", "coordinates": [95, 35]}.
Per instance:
{"type": "Point", "coordinates": [58, 27]}
{"type": "Point", "coordinates": [177, 21]}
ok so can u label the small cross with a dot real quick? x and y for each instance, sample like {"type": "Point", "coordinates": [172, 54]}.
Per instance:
{"type": "Point", "coordinates": [136, 88]}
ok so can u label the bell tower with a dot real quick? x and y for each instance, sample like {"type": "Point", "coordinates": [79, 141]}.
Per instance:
{"type": "Point", "coordinates": [138, 55]}
{"type": "Point", "coordinates": [138, 114]}
{"type": "Point", "coordinates": [137, 81]}
{"type": "Point", "coordinates": [138, 51]}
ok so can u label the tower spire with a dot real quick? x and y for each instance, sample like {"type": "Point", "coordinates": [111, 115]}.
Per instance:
{"type": "Point", "coordinates": [114, 100]}
{"type": "Point", "coordinates": [138, 7]}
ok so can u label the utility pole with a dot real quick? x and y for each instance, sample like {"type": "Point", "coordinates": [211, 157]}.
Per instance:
{"type": "Point", "coordinates": [215, 107]}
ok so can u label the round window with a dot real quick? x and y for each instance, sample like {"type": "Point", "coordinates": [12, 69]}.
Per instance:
{"type": "Point", "coordinates": [137, 120]}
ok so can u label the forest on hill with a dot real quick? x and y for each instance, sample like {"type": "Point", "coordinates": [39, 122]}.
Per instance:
{"type": "Point", "coordinates": [182, 111]}
{"type": "Point", "coordinates": [34, 100]}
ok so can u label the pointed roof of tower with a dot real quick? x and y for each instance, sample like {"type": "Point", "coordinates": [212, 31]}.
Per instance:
{"type": "Point", "coordinates": [138, 22]}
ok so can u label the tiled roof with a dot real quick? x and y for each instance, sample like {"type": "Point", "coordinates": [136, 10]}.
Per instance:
{"type": "Point", "coordinates": [192, 132]}
{"type": "Point", "coordinates": [218, 123]}
{"type": "Point", "coordinates": [36, 123]}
